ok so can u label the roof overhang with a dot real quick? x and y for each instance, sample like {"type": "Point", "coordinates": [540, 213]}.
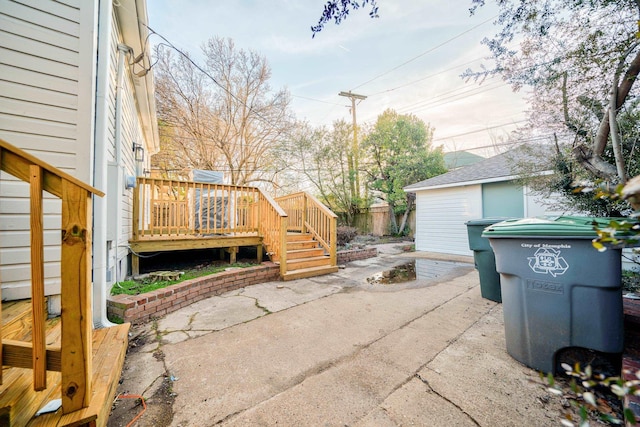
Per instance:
{"type": "Point", "coordinates": [467, 183]}
{"type": "Point", "coordinates": [132, 16]}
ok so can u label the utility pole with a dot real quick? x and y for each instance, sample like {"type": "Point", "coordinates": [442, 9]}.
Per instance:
{"type": "Point", "coordinates": [354, 176]}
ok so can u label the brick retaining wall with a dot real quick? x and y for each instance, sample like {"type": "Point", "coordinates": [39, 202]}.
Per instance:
{"type": "Point", "coordinates": [356, 254]}
{"type": "Point", "coordinates": [142, 308]}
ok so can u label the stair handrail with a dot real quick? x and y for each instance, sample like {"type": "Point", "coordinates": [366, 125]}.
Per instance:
{"type": "Point", "coordinates": [310, 215]}
{"type": "Point", "coordinates": [272, 226]}
{"type": "Point", "coordinates": [74, 357]}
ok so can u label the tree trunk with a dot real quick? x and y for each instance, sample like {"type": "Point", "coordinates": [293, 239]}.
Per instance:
{"type": "Point", "coordinates": [411, 197]}
{"type": "Point", "coordinates": [591, 159]}
{"type": "Point", "coordinates": [393, 225]}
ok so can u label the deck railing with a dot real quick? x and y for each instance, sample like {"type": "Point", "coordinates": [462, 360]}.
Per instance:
{"type": "Point", "coordinates": [171, 208]}
{"type": "Point", "coordinates": [308, 215]}
{"type": "Point", "coordinates": [165, 209]}
{"type": "Point", "coordinates": [73, 359]}
{"type": "Point", "coordinates": [272, 226]}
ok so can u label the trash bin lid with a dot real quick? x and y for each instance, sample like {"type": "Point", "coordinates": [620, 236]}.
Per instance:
{"type": "Point", "coordinates": [563, 226]}
{"type": "Point", "coordinates": [487, 221]}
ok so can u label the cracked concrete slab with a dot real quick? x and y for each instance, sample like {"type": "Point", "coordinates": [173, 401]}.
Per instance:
{"type": "Point", "coordinates": [211, 314]}
{"type": "Point", "coordinates": [478, 375]}
{"type": "Point", "coordinates": [335, 350]}
{"type": "Point", "coordinates": [142, 373]}
{"type": "Point", "coordinates": [278, 296]}
{"type": "Point", "coordinates": [415, 404]}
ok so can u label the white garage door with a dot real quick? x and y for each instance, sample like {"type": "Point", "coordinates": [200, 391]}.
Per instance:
{"type": "Point", "coordinates": [441, 215]}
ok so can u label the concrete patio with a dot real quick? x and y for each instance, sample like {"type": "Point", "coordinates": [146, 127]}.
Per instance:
{"type": "Point", "coordinates": [335, 351]}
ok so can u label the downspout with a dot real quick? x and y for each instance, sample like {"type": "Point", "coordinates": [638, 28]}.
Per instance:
{"type": "Point", "coordinates": [123, 50]}
{"type": "Point", "coordinates": [100, 212]}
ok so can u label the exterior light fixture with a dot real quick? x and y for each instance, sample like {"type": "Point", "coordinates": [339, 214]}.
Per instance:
{"type": "Point", "coordinates": [138, 152]}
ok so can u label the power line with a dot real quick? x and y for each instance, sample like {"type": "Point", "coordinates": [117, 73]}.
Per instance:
{"type": "Point", "coordinates": [316, 100]}
{"type": "Point", "coordinates": [426, 77]}
{"type": "Point", "coordinates": [425, 52]}
{"type": "Point", "coordinates": [478, 131]}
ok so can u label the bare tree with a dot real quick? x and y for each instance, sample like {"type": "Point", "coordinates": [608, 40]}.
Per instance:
{"type": "Point", "coordinates": [220, 116]}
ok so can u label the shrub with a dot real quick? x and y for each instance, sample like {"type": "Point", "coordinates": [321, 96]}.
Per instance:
{"type": "Point", "coordinates": [346, 234]}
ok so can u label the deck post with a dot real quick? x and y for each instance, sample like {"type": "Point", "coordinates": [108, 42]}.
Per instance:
{"type": "Point", "coordinates": [283, 246]}
{"type": "Point", "coordinates": [333, 244]}
{"type": "Point", "coordinates": [135, 265]}
{"type": "Point", "coordinates": [39, 363]}
{"type": "Point", "coordinates": [304, 214]}
{"type": "Point", "coordinates": [76, 297]}
{"type": "Point", "coordinates": [233, 252]}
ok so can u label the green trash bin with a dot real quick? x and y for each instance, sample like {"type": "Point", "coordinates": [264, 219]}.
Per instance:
{"type": "Point", "coordinates": [484, 258]}
{"type": "Point", "coordinates": [558, 291]}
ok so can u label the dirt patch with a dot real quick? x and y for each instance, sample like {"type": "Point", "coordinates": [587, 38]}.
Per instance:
{"type": "Point", "coordinates": [400, 274]}
{"type": "Point", "coordinates": [158, 412]}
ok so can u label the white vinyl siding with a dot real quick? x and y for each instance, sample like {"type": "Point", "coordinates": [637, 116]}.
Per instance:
{"type": "Point", "coordinates": [130, 132]}
{"type": "Point", "coordinates": [44, 67]}
{"type": "Point", "coordinates": [441, 215]}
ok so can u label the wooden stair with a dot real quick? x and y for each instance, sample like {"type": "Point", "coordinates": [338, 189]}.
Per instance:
{"type": "Point", "coordinates": [18, 400]}
{"type": "Point", "coordinates": [305, 258]}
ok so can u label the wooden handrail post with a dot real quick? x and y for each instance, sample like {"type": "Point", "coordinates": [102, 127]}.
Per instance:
{"type": "Point", "coordinates": [333, 235]}
{"type": "Point", "coordinates": [283, 246]}
{"type": "Point", "coordinates": [39, 363]}
{"type": "Point", "coordinates": [305, 205]}
{"type": "Point", "coordinates": [76, 297]}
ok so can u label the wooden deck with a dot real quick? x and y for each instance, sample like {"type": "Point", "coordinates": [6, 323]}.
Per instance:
{"type": "Point", "coordinates": [19, 402]}
{"type": "Point", "coordinates": [171, 215]}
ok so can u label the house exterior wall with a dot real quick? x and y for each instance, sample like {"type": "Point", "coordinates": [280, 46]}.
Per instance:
{"type": "Point", "coordinates": [52, 107]}
{"type": "Point", "coordinates": [441, 215]}
{"type": "Point", "coordinates": [46, 108]}
{"type": "Point", "coordinates": [122, 131]}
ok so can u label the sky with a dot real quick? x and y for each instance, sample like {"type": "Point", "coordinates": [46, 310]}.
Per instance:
{"type": "Point", "coordinates": [409, 59]}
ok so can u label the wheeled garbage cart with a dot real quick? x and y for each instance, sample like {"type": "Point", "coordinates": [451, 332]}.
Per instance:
{"type": "Point", "coordinates": [484, 258]}
{"type": "Point", "coordinates": [558, 291]}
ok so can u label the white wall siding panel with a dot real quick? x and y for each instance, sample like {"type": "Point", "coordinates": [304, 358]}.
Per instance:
{"type": "Point", "coordinates": [46, 108]}
{"type": "Point", "coordinates": [32, 12]}
{"type": "Point", "coordinates": [53, 8]}
{"type": "Point", "coordinates": [38, 80]}
{"type": "Point", "coordinates": [441, 215]}
{"type": "Point", "coordinates": [41, 34]}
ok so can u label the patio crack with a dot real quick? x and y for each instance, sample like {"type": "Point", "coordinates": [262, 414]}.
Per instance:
{"type": "Point", "coordinates": [256, 302]}
{"type": "Point", "coordinates": [446, 399]}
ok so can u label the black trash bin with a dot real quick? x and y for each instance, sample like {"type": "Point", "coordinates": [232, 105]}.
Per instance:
{"type": "Point", "coordinates": [484, 258]}
{"type": "Point", "coordinates": [558, 291]}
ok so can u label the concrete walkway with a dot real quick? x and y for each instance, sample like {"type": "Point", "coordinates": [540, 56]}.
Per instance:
{"type": "Point", "coordinates": [337, 351]}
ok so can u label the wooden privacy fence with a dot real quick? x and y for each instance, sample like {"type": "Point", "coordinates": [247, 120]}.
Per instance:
{"type": "Point", "coordinates": [73, 359]}
{"type": "Point", "coordinates": [308, 215]}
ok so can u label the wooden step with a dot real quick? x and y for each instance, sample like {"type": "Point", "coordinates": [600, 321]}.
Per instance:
{"type": "Point", "coordinates": [310, 272]}
{"type": "Point", "coordinates": [16, 320]}
{"type": "Point", "coordinates": [109, 349]}
{"type": "Point", "coordinates": [18, 400]}
{"type": "Point", "coordinates": [305, 253]}
{"type": "Point", "coordinates": [294, 237]}
{"type": "Point", "coordinates": [302, 263]}
{"type": "Point", "coordinates": [17, 396]}
{"type": "Point", "coordinates": [301, 244]}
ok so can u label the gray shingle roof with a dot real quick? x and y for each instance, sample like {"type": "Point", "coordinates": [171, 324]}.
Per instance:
{"type": "Point", "coordinates": [501, 166]}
